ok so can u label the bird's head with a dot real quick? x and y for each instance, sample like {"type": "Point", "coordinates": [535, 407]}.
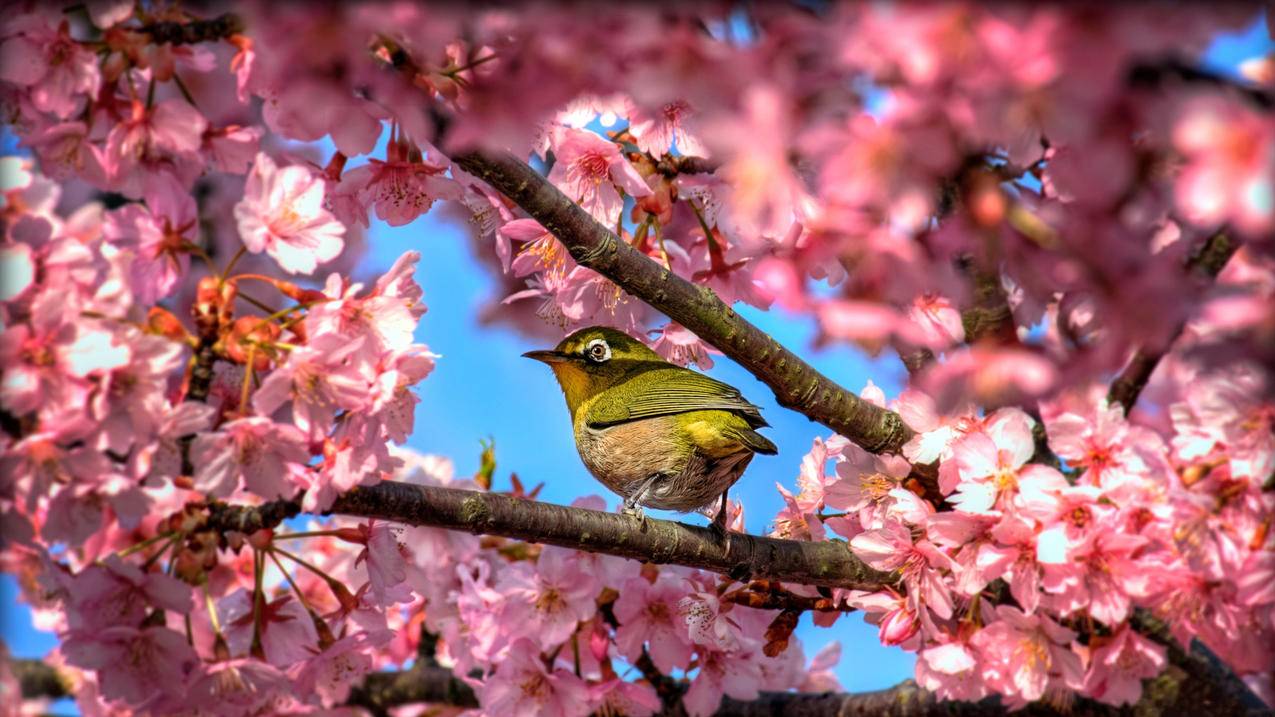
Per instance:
{"type": "Point", "coordinates": [591, 360]}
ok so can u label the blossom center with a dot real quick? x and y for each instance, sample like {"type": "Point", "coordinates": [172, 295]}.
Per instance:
{"type": "Point", "coordinates": [550, 601]}
{"type": "Point", "coordinates": [592, 165]}
{"type": "Point", "coordinates": [535, 686]}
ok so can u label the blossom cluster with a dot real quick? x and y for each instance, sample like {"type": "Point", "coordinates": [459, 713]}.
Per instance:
{"type": "Point", "coordinates": [1025, 582]}
{"type": "Point", "coordinates": [183, 333]}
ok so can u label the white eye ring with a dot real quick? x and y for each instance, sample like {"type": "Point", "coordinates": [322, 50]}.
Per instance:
{"type": "Point", "coordinates": [598, 351]}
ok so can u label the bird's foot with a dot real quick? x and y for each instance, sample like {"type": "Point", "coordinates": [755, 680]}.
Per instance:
{"type": "Point", "coordinates": [635, 510]}
{"type": "Point", "coordinates": [718, 526]}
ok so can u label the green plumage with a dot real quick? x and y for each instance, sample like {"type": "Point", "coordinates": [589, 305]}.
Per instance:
{"type": "Point", "coordinates": [657, 434]}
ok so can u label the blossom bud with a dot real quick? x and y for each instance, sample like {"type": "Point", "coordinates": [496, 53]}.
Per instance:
{"type": "Point", "coordinates": [160, 321]}
{"type": "Point", "coordinates": [898, 626]}
{"type": "Point", "coordinates": [261, 539]}
{"type": "Point", "coordinates": [245, 334]}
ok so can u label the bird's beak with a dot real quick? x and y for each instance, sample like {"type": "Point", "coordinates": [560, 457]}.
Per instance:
{"type": "Point", "coordinates": [549, 357]}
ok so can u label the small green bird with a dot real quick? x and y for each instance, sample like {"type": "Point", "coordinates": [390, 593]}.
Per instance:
{"type": "Point", "coordinates": [656, 434]}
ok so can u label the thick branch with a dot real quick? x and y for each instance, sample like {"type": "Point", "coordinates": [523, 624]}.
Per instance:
{"type": "Point", "coordinates": [797, 385]}
{"type": "Point", "coordinates": [659, 541]}
{"type": "Point", "coordinates": [742, 557]}
{"type": "Point", "coordinates": [1206, 264]}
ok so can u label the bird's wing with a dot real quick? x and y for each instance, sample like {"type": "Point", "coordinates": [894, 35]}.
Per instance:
{"type": "Point", "coordinates": [669, 390]}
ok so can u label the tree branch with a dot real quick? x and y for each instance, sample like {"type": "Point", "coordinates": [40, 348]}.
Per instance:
{"type": "Point", "coordinates": [1207, 263]}
{"type": "Point", "coordinates": [741, 556]}
{"type": "Point", "coordinates": [797, 385]}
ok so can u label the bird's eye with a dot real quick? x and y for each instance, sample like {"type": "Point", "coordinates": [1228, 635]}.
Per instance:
{"type": "Point", "coordinates": [598, 351]}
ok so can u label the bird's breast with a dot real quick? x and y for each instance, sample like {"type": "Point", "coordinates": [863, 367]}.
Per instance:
{"type": "Point", "coordinates": [624, 455]}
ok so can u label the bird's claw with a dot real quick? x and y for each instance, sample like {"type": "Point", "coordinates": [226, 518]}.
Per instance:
{"type": "Point", "coordinates": [720, 533]}
{"type": "Point", "coordinates": [635, 510]}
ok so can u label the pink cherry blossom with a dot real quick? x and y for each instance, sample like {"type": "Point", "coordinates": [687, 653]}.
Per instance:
{"type": "Point", "coordinates": [625, 698]}
{"type": "Point", "coordinates": [387, 322]}
{"type": "Point", "coordinates": [319, 379]}
{"type": "Point", "coordinates": [59, 72]}
{"type": "Point", "coordinates": [872, 487]}
{"type": "Point", "coordinates": [990, 467]}
{"type": "Point", "coordinates": [819, 675]}
{"type": "Point", "coordinates": [875, 170]}
{"type": "Point", "coordinates": [891, 548]}
{"type": "Point", "coordinates": [1101, 576]}
{"type": "Point", "coordinates": [403, 187]}
{"type": "Point", "coordinates": [1113, 453]}
{"type": "Point", "coordinates": [253, 453]}
{"type": "Point", "coordinates": [939, 321]}
{"type": "Point", "coordinates": [118, 593]}
{"type": "Point", "coordinates": [136, 665]}
{"type": "Point", "coordinates": [386, 559]}
{"type": "Point", "coordinates": [550, 600]}
{"type": "Point", "coordinates": [722, 673]}
{"type": "Point", "coordinates": [282, 214]}
{"type": "Point", "coordinates": [658, 132]}
{"type": "Point", "coordinates": [1229, 150]}
{"type": "Point", "coordinates": [521, 685]}
{"type": "Point", "coordinates": [951, 670]}
{"type": "Point", "coordinates": [1030, 654]}
{"type": "Point", "coordinates": [154, 146]}
{"type": "Point", "coordinates": [1118, 667]}
{"type": "Point", "coordinates": [331, 673]}
{"type": "Point", "coordinates": [284, 629]}
{"type": "Point", "coordinates": [648, 613]}
{"type": "Point", "coordinates": [539, 250]}
{"type": "Point", "coordinates": [240, 686]}
{"type": "Point", "coordinates": [129, 401]}
{"type": "Point", "coordinates": [1230, 409]}
{"type": "Point", "coordinates": [588, 169]}
{"type": "Point", "coordinates": [158, 237]}
{"type": "Point", "coordinates": [680, 346]}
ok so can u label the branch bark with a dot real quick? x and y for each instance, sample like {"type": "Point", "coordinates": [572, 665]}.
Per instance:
{"type": "Point", "coordinates": [797, 385]}
{"type": "Point", "coordinates": [422, 683]}
{"type": "Point", "coordinates": [194, 32]}
{"type": "Point", "coordinates": [741, 557]}
{"type": "Point", "coordinates": [1196, 680]}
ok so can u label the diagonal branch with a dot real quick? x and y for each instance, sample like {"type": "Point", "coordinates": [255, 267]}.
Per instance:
{"type": "Point", "coordinates": [1207, 263]}
{"type": "Point", "coordinates": [797, 385]}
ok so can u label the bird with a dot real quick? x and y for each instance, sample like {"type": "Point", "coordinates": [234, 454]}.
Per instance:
{"type": "Point", "coordinates": [656, 434]}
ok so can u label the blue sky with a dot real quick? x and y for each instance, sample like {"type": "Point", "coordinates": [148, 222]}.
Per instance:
{"type": "Point", "coordinates": [482, 388]}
